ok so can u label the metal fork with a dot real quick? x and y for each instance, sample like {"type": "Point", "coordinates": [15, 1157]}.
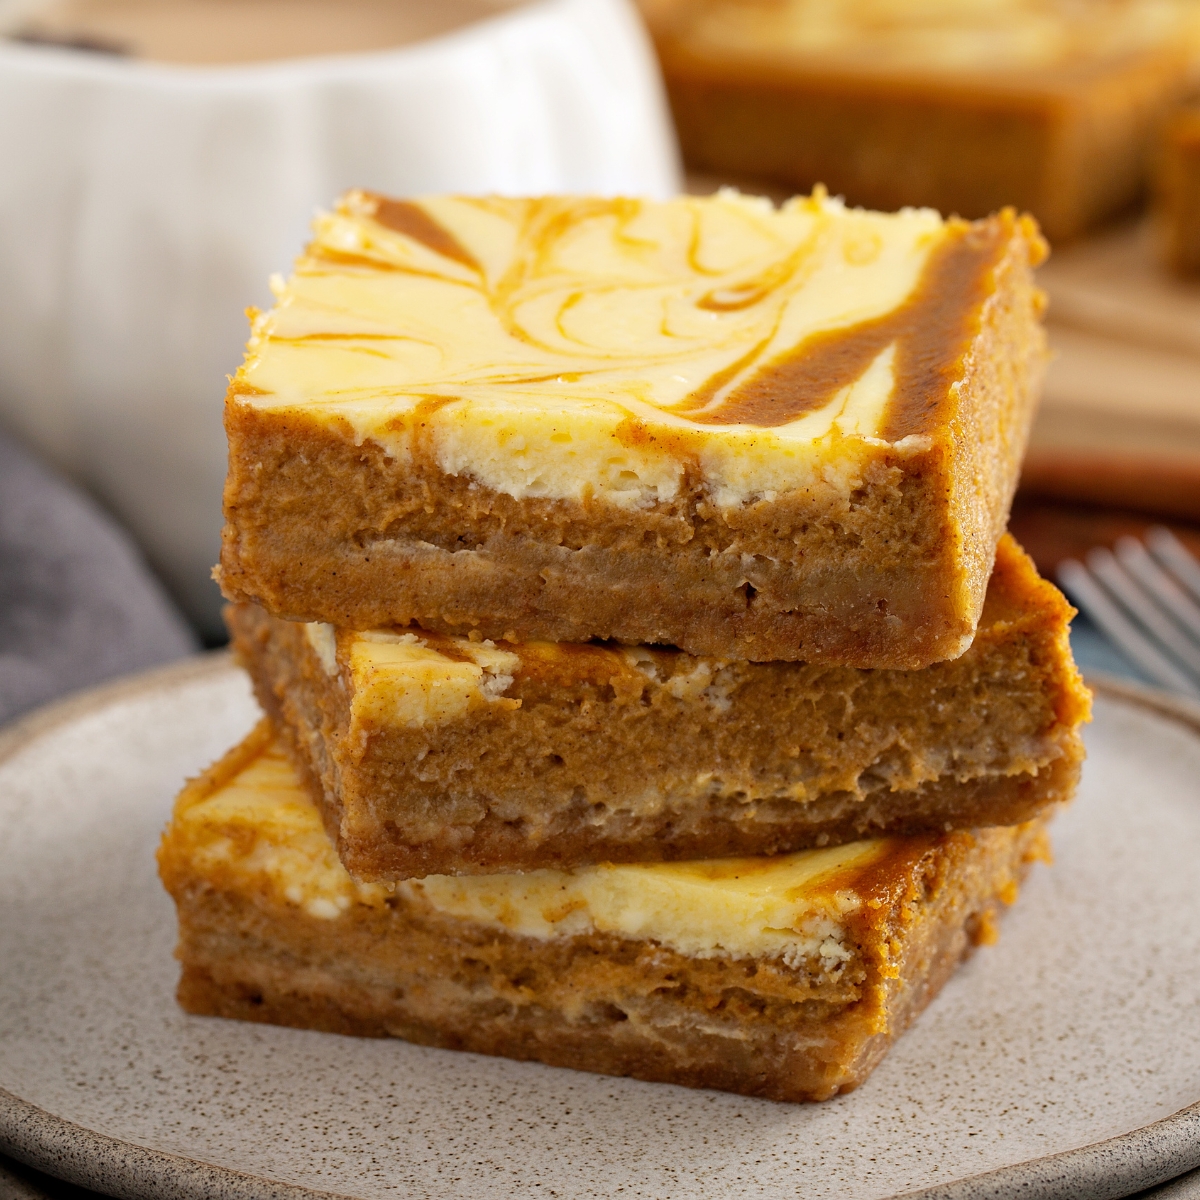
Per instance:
{"type": "Point", "coordinates": [1146, 598]}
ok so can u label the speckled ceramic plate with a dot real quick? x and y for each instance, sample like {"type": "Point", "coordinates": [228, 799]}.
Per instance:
{"type": "Point", "coordinates": [1064, 1061]}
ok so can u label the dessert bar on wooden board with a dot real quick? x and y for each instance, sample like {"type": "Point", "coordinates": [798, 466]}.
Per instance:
{"type": "Point", "coordinates": [429, 754]}
{"type": "Point", "coordinates": [965, 108]}
{"type": "Point", "coordinates": [785, 977]}
{"type": "Point", "coordinates": [752, 433]}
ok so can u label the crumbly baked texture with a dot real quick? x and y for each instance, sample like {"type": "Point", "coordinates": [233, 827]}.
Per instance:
{"type": "Point", "coordinates": [272, 930]}
{"type": "Point", "coordinates": [751, 433]}
{"type": "Point", "coordinates": [1177, 209]}
{"type": "Point", "coordinates": [897, 108]}
{"type": "Point", "coordinates": [425, 762]}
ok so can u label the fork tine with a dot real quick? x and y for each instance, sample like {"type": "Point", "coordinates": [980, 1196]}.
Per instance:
{"type": "Point", "coordinates": [1110, 573]}
{"type": "Point", "coordinates": [1132, 555]}
{"type": "Point", "coordinates": [1175, 556]}
{"type": "Point", "coordinates": [1091, 597]}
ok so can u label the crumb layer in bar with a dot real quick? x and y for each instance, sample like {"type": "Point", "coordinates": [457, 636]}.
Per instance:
{"type": "Point", "coordinates": [759, 433]}
{"type": "Point", "coordinates": [786, 977]}
{"type": "Point", "coordinates": [431, 754]}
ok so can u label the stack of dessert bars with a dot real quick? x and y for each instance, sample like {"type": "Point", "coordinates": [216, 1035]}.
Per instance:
{"type": "Point", "coordinates": [650, 685]}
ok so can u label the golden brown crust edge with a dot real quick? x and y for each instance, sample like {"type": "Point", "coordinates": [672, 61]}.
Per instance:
{"type": "Point", "coordinates": [1002, 374]}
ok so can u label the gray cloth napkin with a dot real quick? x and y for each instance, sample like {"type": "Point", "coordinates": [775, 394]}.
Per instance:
{"type": "Point", "coordinates": [77, 603]}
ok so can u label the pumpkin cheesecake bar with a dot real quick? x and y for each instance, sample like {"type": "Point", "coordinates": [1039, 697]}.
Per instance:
{"type": "Point", "coordinates": [430, 754]}
{"type": "Point", "coordinates": [785, 977]}
{"type": "Point", "coordinates": [749, 432]}
{"type": "Point", "coordinates": [1052, 107]}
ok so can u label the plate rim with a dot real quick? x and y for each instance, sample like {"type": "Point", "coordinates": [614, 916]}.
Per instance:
{"type": "Point", "coordinates": [1111, 1169]}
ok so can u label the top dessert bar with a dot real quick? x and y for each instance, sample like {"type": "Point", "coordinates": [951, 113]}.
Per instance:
{"type": "Point", "coordinates": [1048, 105]}
{"type": "Point", "coordinates": [758, 433]}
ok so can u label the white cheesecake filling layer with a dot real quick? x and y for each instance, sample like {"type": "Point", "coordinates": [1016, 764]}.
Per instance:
{"type": "Point", "coordinates": [397, 679]}
{"type": "Point", "coordinates": [414, 679]}
{"type": "Point", "coordinates": [263, 829]}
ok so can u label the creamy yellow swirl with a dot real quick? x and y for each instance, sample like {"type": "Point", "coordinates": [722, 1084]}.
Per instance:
{"type": "Point", "coordinates": [562, 346]}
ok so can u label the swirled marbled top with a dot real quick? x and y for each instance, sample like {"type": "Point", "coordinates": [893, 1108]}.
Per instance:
{"type": "Point", "coordinates": [568, 346]}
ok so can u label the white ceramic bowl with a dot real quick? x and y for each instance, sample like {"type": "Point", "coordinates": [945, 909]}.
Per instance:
{"type": "Point", "coordinates": [143, 207]}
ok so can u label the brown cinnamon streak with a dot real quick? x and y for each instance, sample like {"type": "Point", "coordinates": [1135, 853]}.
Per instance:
{"type": "Point", "coordinates": [932, 331]}
{"type": "Point", "coordinates": [414, 222]}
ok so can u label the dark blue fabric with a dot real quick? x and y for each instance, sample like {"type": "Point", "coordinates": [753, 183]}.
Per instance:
{"type": "Point", "coordinates": [77, 603]}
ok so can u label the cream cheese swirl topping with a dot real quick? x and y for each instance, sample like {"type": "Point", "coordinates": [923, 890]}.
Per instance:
{"type": "Point", "coordinates": [561, 346]}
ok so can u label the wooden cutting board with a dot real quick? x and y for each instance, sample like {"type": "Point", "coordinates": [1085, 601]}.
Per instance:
{"type": "Point", "coordinates": [1119, 423]}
